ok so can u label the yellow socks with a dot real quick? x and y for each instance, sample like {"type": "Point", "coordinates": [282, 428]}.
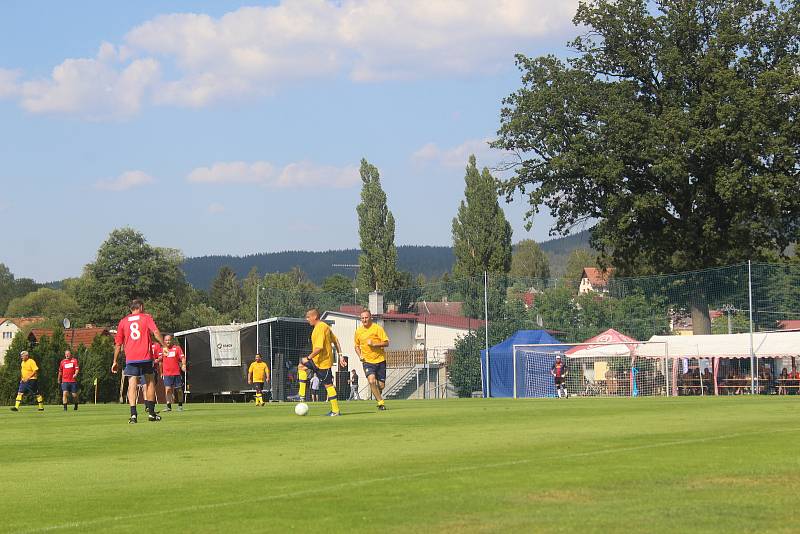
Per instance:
{"type": "Point", "coordinates": [40, 401]}
{"type": "Point", "coordinates": [332, 398]}
{"type": "Point", "coordinates": [19, 400]}
{"type": "Point", "coordinates": [302, 376]}
{"type": "Point", "coordinates": [259, 402]}
{"type": "Point", "coordinates": [381, 403]}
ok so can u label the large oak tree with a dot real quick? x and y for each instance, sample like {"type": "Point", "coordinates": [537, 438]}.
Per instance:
{"type": "Point", "coordinates": [673, 126]}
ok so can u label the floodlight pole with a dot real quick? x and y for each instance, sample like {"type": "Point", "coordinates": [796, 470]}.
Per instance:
{"type": "Point", "coordinates": [486, 330]}
{"type": "Point", "coordinates": [752, 350]}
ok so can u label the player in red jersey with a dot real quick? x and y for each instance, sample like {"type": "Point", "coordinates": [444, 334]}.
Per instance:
{"type": "Point", "coordinates": [559, 372]}
{"type": "Point", "coordinates": [134, 335]}
{"type": "Point", "coordinates": [173, 363]}
{"type": "Point", "coordinates": [68, 378]}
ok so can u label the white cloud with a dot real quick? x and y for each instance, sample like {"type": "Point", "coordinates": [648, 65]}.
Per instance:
{"type": "Point", "coordinates": [305, 174]}
{"type": "Point", "coordinates": [234, 172]}
{"type": "Point", "coordinates": [125, 181]}
{"type": "Point", "coordinates": [215, 208]}
{"type": "Point", "coordinates": [93, 87]}
{"type": "Point", "coordinates": [294, 175]}
{"type": "Point", "coordinates": [8, 83]}
{"type": "Point", "coordinates": [458, 156]}
{"type": "Point", "coordinates": [258, 50]}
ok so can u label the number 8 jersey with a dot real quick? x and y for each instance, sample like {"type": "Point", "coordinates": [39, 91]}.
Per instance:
{"type": "Point", "coordinates": [133, 333]}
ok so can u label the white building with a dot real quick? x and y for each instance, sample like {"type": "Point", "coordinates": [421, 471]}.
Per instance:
{"type": "Point", "coordinates": [431, 335]}
{"type": "Point", "coordinates": [9, 327]}
{"type": "Point", "coordinates": [594, 279]}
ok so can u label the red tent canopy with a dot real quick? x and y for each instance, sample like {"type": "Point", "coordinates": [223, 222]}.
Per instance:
{"type": "Point", "coordinates": [605, 339]}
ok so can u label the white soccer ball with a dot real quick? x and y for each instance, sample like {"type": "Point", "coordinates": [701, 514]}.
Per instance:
{"type": "Point", "coordinates": [301, 408]}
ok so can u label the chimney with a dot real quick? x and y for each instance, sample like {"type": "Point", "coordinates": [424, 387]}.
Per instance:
{"type": "Point", "coordinates": [376, 303]}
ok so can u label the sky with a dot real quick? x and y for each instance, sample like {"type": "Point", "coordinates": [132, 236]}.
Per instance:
{"type": "Point", "coordinates": [226, 127]}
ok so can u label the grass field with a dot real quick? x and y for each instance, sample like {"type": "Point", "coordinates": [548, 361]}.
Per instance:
{"type": "Point", "coordinates": [726, 464]}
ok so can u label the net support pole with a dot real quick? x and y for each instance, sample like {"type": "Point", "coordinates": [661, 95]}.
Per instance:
{"type": "Point", "coordinates": [486, 330]}
{"type": "Point", "coordinates": [258, 312]}
{"type": "Point", "coordinates": [752, 350]}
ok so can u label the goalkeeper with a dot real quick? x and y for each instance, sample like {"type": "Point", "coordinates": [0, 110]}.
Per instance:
{"type": "Point", "coordinates": [559, 372]}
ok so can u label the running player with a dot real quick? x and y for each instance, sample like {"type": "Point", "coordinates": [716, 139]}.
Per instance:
{"type": "Point", "coordinates": [173, 363]}
{"type": "Point", "coordinates": [133, 333]}
{"type": "Point", "coordinates": [29, 382]}
{"type": "Point", "coordinates": [559, 372]}
{"type": "Point", "coordinates": [371, 341]}
{"type": "Point", "coordinates": [320, 360]}
{"type": "Point", "coordinates": [68, 378]}
{"type": "Point", "coordinates": [258, 375]}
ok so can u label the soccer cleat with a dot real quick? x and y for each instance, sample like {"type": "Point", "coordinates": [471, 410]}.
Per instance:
{"type": "Point", "coordinates": [132, 420]}
{"type": "Point", "coordinates": [294, 398]}
{"type": "Point", "coordinates": [39, 409]}
{"type": "Point", "coordinates": [332, 414]}
{"type": "Point", "coordinates": [14, 409]}
{"type": "Point", "coordinates": [153, 417]}
{"type": "Point", "coordinates": [180, 408]}
{"type": "Point", "coordinates": [381, 407]}
{"type": "Point", "coordinates": [167, 409]}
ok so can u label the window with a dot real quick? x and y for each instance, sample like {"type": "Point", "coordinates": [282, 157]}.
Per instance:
{"type": "Point", "coordinates": [8, 335]}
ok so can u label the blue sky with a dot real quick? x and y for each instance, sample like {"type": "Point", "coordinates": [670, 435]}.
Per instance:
{"type": "Point", "coordinates": [237, 127]}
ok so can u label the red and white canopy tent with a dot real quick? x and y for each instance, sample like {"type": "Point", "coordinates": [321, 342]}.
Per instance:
{"type": "Point", "coordinates": [608, 343]}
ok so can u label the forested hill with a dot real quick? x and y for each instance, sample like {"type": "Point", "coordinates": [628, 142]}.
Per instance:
{"type": "Point", "coordinates": [427, 260]}
{"type": "Point", "coordinates": [430, 261]}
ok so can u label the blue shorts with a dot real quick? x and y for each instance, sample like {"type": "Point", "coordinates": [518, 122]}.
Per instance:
{"type": "Point", "coordinates": [139, 368]}
{"type": "Point", "coordinates": [29, 386]}
{"type": "Point", "coordinates": [71, 387]}
{"type": "Point", "coordinates": [325, 375]}
{"type": "Point", "coordinates": [173, 381]}
{"type": "Point", "coordinates": [377, 369]}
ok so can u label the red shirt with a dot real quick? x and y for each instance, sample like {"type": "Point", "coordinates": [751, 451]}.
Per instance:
{"type": "Point", "coordinates": [171, 362]}
{"type": "Point", "coordinates": [133, 333]}
{"type": "Point", "coordinates": [156, 350]}
{"type": "Point", "coordinates": [68, 368]}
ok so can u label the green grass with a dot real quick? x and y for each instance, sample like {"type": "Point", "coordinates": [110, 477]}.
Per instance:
{"type": "Point", "coordinates": [726, 464]}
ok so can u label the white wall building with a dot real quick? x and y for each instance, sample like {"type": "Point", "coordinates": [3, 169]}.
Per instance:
{"type": "Point", "coordinates": [9, 327]}
{"type": "Point", "coordinates": [435, 334]}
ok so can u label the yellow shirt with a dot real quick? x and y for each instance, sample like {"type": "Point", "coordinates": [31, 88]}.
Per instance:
{"type": "Point", "coordinates": [376, 333]}
{"type": "Point", "coordinates": [322, 338]}
{"type": "Point", "coordinates": [29, 370]}
{"type": "Point", "coordinates": [259, 371]}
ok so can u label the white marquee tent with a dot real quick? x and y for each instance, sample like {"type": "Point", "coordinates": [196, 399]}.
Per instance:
{"type": "Point", "coordinates": [765, 345]}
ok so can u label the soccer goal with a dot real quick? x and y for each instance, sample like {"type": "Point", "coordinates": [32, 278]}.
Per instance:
{"type": "Point", "coordinates": [592, 369]}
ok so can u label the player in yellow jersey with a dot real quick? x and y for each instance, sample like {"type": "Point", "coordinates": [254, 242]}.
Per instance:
{"type": "Point", "coordinates": [29, 382]}
{"type": "Point", "coordinates": [371, 341]}
{"type": "Point", "coordinates": [320, 360]}
{"type": "Point", "coordinates": [258, 375]}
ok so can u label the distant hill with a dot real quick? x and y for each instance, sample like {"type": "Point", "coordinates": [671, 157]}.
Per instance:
{"type": "Point", "coordinates": [558, 250]}
{"type": "Point", "coordinates": [427, 260]}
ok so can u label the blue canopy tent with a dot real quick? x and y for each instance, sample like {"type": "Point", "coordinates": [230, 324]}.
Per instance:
{"type": "Point", "coordinates": [533, 365]}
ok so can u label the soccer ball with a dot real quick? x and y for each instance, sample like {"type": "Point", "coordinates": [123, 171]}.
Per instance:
{"type": "Point", "coordinates": [301, 408]}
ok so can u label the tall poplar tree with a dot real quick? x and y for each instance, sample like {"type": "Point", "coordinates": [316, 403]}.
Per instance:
{"type": "Point", "coordinates": [378, 259]}
{"type": "Point", "coordinates": [481, 233]}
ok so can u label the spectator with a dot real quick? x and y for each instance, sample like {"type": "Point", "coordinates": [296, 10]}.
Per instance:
{"type": "Point", "coordinates": [315, 389]}
{"type": "Point", "coordinates": [783, 380]}
{"type": "Point", "coordinates": [354, 386]}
